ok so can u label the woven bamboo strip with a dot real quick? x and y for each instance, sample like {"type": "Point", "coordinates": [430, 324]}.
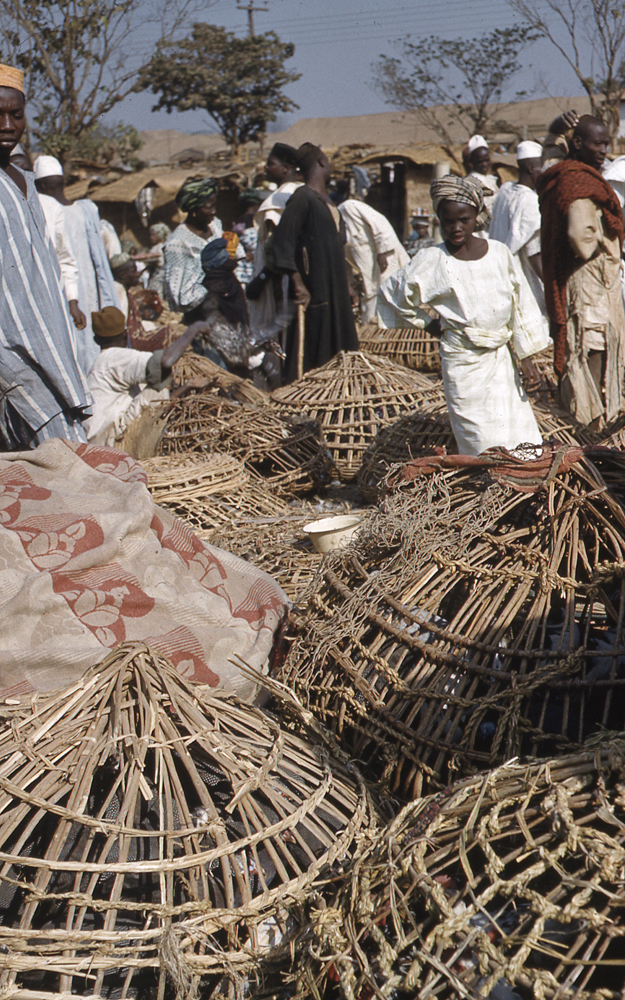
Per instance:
{"type": "Point", "coordinates": [409, 346]}
{"type": "Point", "coordinates": [148, 830]}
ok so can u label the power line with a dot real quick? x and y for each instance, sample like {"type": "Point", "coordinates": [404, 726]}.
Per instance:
{"type": "Point", "coordinates": [251, 9]}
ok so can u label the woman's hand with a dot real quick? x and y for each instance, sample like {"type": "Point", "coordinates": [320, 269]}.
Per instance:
{"type": "Point", "coordinates": [531, 375]}
{"type": "Point", "coordinates": [302, 295]}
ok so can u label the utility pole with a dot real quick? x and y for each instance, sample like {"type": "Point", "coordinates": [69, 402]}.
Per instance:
{"type": "Point", "coordinates": [250, 8]}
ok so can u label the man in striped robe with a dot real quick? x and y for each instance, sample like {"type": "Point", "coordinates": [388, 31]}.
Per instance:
{"type": "Point", "coordinates": [43, 393]}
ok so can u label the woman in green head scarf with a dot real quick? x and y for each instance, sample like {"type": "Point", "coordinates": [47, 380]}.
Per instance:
{"type": "Point", "coordinates": [182, 271]}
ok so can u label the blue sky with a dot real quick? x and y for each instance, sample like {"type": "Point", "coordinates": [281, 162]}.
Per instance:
{"type": "Point", "coordinates": [336, 41]}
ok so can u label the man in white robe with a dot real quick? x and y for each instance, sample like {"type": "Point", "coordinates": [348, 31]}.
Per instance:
{"type": "Point", "coordinates": [516, 220]}
{"type": "Point", "coordinates": [479, 160]}
{"type": "Point", "coordinates": [55, 224]}
{"type": "Point", "coordinates": [372, 248]}
{"type": "Point", "coordinates": [82, 222]}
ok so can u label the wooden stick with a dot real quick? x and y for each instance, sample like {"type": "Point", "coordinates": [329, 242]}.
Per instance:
{"type": "Point", "coordinates": [300, 340]}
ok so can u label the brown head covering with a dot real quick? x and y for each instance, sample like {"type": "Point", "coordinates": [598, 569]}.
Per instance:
{"type": "Point", "coordinates": [11, 77]}
{"type": "Point", "coordinates": [108, 322]}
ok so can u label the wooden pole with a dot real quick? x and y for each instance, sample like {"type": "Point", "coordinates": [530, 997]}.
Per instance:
{"type": "Point", "coordinates": [301, 329]}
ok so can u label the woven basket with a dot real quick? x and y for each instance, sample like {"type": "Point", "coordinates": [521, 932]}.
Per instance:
{"type": "Point", "coordinates": [409, 346]}
{"type": "Point", "coordinates": [510, 886]}
{"type": "Point", "coordinates": [151, 835]}
{"type": "Point", "coordinates": [285, 450]}
{"type": "Point", "coordinates": [215, 494]}
{"type": "Point", "coordinates": [413, 435]}
{"type": "Point", "coordinates": [468, 623]}
{"type": "Point", "coordinates": [353, 397]}
{"type": "Point", "coordinates": [192, 366]}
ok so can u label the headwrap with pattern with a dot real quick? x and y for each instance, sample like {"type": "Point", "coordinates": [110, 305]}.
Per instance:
{"type": "Point", "coordinates": [461, 189]}
{"type": "Point", "coordinates": [195, 192]}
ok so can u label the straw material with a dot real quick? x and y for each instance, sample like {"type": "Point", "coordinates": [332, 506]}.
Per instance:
{"type": "Point", "coordinates": [471, 622]}
{"type": "Point", "coordinates": [409, 346]}
{"type": "Point", "coordinates": [353, 397]}
{"type": "Point", "coordinates": [509, 885]}
{"type": "Point", "coordinates": [285, 450]}
{"type": "Point", "coordinates": [151, 835]}
{"type": "Point", "coordinates": [213, 493]}
{"type": "Point", "coordinates": [276, 544]}
{"type": "Point", "coordinates": [194, 366]}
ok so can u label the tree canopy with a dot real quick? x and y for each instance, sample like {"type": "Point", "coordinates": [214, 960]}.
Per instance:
{"type": "Point", "coordinates": [451, 83]}
{"type": "Point", "coordinates": [81, 58]}
{"type": "Point", "coordinates": [238, 81]}
{"type": "Point", "coordinates": [570, 25]}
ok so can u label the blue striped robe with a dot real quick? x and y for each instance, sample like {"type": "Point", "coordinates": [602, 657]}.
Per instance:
{"type": "Point", "coordinates": [38, 363]}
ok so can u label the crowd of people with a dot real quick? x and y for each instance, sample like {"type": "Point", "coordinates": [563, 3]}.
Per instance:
{"type": "Point", "coordinates": [520, 265]}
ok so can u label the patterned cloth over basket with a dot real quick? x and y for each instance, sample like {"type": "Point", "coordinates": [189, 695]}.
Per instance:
{"type": "Point", "coordinates": [88, 561]}
{"type": "Point", "coordinates": [478, 615]}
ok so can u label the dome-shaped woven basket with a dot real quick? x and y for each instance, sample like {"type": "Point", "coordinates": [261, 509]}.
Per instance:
{"type": "Point", "coordinates": [355, 395]}
{"type": "Point", "coordinates": [285, 450]}
{"type": "Point", "coordinates": [409, 346]}
{"type": "Point", "coordinates": [471, 621]}
{"type": "Point", "coordinates": [192, 365]}
{"type": "Point", "coordinates": [512, 886]}
{"type": "Point", "coordinates": [211, 492]}
{"type": "Point", "coordinates": [151, 834]}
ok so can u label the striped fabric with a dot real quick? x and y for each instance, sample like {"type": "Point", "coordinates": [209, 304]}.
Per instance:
{"type": "Point", "coordinates": [39, 374]}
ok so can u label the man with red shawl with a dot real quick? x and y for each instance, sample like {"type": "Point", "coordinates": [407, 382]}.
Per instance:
{"type": "Point", "coordinates": [581, 238]}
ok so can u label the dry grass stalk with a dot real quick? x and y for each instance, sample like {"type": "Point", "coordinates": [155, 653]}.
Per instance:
{"type": "Point", "coordinates": [284, 450]}
{"type": "Point", "coordinates": [468, 623]}
{"type": "Point", "coordinates": [513, 882]}
{"type": "Point", "coordinates": [353, 397]}
{"type": "Point", "coordinates": [409, 346]}
{"type": "Point", "coordinates": [150, 832]}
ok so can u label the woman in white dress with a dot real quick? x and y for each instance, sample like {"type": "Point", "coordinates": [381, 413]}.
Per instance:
{"type": "Point", "coordinates": [484, 308]}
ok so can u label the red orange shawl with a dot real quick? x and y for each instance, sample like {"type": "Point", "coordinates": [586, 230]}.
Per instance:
{"type": "Point", "coordinates": [558, 188]}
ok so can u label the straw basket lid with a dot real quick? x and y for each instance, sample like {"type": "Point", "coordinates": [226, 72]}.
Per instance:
{"type": "Point", "coordinates": [173, 477]}
{"type": "Point", "coordinates": [510, 885]}
{"type": "Point", "coordinates": [214, 493]}
{"type": "Point", "coordinates": [149, 830]}
{"type": "Point", "coordinates": [353, 396]}
{"type": "Point", "coordinates": [411, 346]}
{"type": "Point", "coordinates": [478, 615]}
{"type": "Point", "coordinates": [192, 365]}
{"type": "Point", "coordinates": [284, 449]}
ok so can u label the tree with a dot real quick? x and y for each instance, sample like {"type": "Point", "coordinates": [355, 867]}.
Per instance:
{"type": "Point", "coordinates": [107, 144]}
{"type": "Point", "coordinates": [570, 25]}
{"type": "Point", "coordinates": [81, 58]}
{"type": "Point", "coordinates": [238, 81]}
{"type": "Point", "coordinates": [451, 83]}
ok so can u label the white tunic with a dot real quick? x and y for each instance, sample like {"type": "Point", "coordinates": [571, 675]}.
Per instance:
{"type": "Point", "coordinates": [516, 222]}
{"type": "Point", "coordinates": [117, 384]}
{"type": "Point", "coordinates": [369, 233]}
{"type": "Point", "coordinates": [484, 306]}
{"type": "Point", "coordinates": [55, 223]}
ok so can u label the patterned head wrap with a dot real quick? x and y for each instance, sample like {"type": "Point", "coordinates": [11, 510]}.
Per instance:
{"type": "Point", "coordinates": [215, 254]}
{"type": "Point", "coordinates": [462, 189]}
{"type": "Point", "coordinates": [195, 192]}
{"type": "Point", "coordinates": [161, 230]}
